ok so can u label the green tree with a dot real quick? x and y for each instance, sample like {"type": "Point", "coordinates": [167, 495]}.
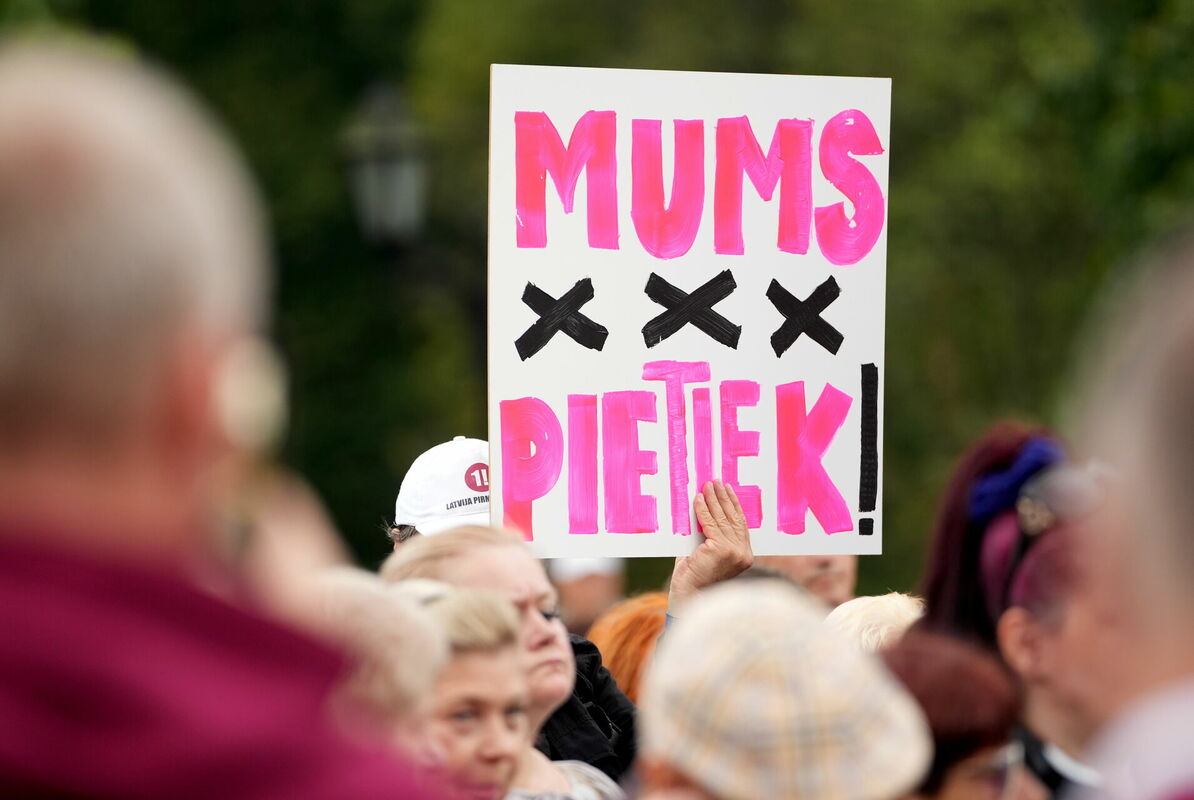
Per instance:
{"type": "Point", "coordinates": [1034, 146]}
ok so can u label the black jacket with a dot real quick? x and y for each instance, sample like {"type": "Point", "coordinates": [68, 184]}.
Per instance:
{"type": "Point", "coordinates": [596, 724]}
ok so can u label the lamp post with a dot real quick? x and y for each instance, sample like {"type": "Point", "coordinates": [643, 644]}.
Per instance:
{"type": "Point", "coordinates": [387, 169]}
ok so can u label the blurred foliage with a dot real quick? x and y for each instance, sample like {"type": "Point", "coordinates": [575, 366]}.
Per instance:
{"type": "Point", "coordinates": [1034, 145]}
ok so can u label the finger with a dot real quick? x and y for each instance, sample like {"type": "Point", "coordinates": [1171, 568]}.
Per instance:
{"type": "Point", "coordinates": [734, 500]}
{"type": "Point", "coordinates": [722, 493]}
{"type": "Point", "coordinates": [713, 503]}
{"type": "Point", "coordinates": [704, 518]}
{"type": "Point", "coordinates": [723, 498]}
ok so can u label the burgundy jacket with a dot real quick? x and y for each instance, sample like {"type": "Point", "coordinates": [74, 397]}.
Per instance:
{"type": "Point", "coordinates": [128, 682]}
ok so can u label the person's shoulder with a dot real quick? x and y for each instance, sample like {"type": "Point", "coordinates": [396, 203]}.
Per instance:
{"type": "Point", "coordinates": [578, 772]}
{"type": "Point", "coordinates": [585, 782]}
{"type": "Point", "coordinates": [591, 674]}
{"type": "Point", "coordinates": [588, 782]}
{"type": "Point", "coordinates": [588, 657]}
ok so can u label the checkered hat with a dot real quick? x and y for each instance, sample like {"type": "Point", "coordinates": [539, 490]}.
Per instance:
{"type": "Point", "coordinates": [751, 696]}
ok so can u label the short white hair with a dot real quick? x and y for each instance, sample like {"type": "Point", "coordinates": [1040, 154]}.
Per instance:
{"type": "Point", "coordinates": [125, 217]}
{"type": "Point", "coordinates": [1134, 411]}
{"type": "Point", "coordinates": [398, 647]}
{"type": "Point", "coordinates": [875, 622]}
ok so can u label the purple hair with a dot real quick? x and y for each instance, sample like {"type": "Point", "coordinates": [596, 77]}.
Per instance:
{"type": "Point", "coordinates": [966, 584]}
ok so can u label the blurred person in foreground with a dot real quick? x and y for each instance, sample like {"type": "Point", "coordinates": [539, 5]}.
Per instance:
{"type": "Point", "coordinates": [1137, 413]}
{"type": "Point", "coordinates": [577, 710]}
{"type": "Point", "coordinates": [874, 623]}
{"type": "Point", "coordinates": [1002, 573]}
{"type": "Point", "coordinates": [132, 275]}
{"type": "Point", "coordinates": [972, 706]}
{"type": "Point", "coordinates": [751, 696]}
{"type": "Point", "coordinates": [588, 587]}
{"type": "Point", "coordinates": [626, 636]}
{"type": "Point", "coordinates": [831, 579]}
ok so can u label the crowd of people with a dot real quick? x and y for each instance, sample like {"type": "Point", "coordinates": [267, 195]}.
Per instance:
{"type": "Point", "coordinates": [177, 619]}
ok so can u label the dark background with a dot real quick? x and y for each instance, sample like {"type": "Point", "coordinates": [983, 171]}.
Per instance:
{"type": "Point", "coordinates": [1034, 146]}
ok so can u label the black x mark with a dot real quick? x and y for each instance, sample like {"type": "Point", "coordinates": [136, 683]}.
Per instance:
{"type": "Point", "coordinates": [804, 316]}
{"type": "Point", "coordinates": [684, 308]}
{"type": "Point", "coordinates": [560, 315]}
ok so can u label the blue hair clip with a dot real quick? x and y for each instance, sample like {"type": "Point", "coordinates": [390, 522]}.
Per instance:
{"type": "Point", "coordinates": [998, 491]}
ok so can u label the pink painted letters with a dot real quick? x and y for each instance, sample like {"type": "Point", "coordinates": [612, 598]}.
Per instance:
{"type": "Point", "coordinates": [737, 444]}
{"type": "Point", "coordinates": [582, 463]}
{"type": "Point", "coordinates": [627, 509]}
{"type": "Point", "coordinates": [675, 374]}
{"type": "Point", "coordinates": [702, 431]}
{"type": "Point", "coordinates": [803, 439]}
{"type": "Point", "coordinates": [532, 456]}
{"type": "Point", "coordinates": [788, 162]}
{"type": "Point", "coordinates": [667, 231]}
{"type": "Point", "coordinates": [844, 240]}
{"type": "Point", "coordinates": [538, 150]}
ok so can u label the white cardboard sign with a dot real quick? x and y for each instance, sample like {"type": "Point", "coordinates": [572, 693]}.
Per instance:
{"type": "Point", "coordinates": [686, 282]}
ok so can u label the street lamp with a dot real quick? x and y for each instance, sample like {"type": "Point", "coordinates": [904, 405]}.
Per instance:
{"type": "Point", "coordinates": [387, 169]}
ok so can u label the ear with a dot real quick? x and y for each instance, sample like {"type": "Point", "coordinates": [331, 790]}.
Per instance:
{"type": "Point", "coordinates": [1020, 643]}
{"type": "Point", "coordinates": [188, 420]}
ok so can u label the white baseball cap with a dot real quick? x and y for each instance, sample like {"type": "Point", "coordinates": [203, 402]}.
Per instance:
{"type": "Point", "coordinates": [445, 487]}
{"type": "Point", "coordinates": [563, 570]}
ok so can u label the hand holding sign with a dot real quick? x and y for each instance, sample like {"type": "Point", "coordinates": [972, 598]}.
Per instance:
{"type": "Point", "coordinates": [725, 551]}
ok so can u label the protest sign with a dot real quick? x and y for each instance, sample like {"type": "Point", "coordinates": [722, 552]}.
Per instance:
{"type": "Point", "coordinates": [686, 282]}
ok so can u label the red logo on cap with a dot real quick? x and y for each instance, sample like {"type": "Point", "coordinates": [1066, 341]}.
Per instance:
{"type": "Point", "coordinates": [476, 477]}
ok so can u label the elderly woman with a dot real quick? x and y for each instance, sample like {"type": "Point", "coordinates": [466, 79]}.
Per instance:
{"type": "Point", "coordinates": [500, 562]}
{"type": "Point", "coordinates": [581, 719]}
{"type": "Point", "coordinates": [479, 707]}
{"type": "Point", "coordinates": [439, 672]}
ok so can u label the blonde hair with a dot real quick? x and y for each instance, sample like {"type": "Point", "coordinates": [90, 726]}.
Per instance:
{"type": "Point", "coordinates": [429, 556]}
{"type": "Point", "coordinates": [875, 622]}
{"type": "Point", "coordinates": [398, 647]}
{"type": "Point", "coordinates": [472, 620]}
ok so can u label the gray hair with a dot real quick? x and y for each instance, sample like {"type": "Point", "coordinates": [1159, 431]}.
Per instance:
{"type": "Point", "coordinates": [125, 217]}
{"type": "Point", "coordinates": [399, 647]}
{"type": "Point", "coordinates": [875, 622]}
{"type": "Point", "coordinates": [1135, 411]}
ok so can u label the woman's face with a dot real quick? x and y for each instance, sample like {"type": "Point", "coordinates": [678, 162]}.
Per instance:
{"type": "Point", "coordinates": [513, 572]}
{"type": "Point", "coordinates": [479, 721]}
